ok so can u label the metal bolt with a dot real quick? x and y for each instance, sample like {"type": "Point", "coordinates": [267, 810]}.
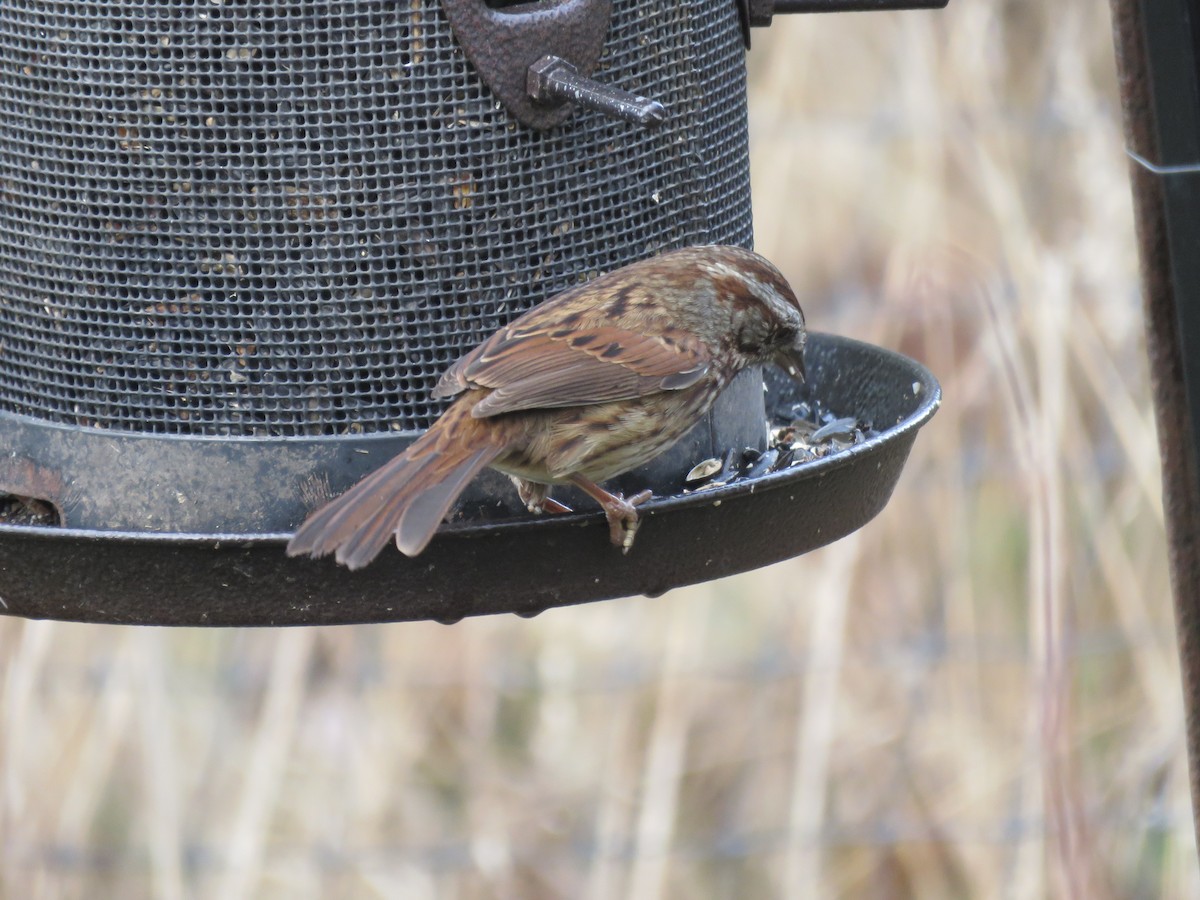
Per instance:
{"type": "Point", "coordinates": [552, 79]}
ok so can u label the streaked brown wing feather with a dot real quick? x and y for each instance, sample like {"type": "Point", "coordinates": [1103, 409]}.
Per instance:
{"type": "Point", "coordinates": [542, 368]}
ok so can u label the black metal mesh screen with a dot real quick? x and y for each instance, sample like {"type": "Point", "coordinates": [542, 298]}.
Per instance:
{"type": "Point", "coordinates": [263, 217]}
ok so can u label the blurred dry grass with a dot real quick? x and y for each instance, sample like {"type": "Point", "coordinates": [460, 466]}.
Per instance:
{"type": "Point", "coordinates": [975, 696]}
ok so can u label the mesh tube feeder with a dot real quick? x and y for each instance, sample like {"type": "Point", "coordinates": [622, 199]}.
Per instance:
{"type": "Point", "coordinates": [239, 243]}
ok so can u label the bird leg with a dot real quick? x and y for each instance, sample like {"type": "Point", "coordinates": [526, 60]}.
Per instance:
{"type": "Point", "coordinates": [621, 513]}
{"type": "Point", "coordinates": [536, 497]}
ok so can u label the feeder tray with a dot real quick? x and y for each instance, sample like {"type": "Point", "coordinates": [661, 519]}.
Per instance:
{"type": "Point", "coordinates": [523, 565]}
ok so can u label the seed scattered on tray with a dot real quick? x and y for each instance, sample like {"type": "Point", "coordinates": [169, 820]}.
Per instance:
{"type": "Point", "coordinates": [16, 510]}
{"type": "Point", "coordinates": [805, 432]}
{"type": "Point", "coordinates": [703, 471]}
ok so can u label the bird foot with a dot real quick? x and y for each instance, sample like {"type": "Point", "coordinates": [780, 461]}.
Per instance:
{"type": "Point", "coordinates": [623, 520]}
{"type": "Point", "coordinates": [621, 513]}
{"type": "Point", "coordinates": [537, 499]}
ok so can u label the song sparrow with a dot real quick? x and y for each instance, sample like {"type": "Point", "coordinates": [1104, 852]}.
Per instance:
{"type": "Point", "coordinates": [587, 385]}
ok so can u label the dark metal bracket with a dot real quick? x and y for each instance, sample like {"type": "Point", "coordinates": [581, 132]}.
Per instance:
{"type": "Point", "coordinates": [537, 57]}
{"type": "Point", "coordinates": [758, 13]}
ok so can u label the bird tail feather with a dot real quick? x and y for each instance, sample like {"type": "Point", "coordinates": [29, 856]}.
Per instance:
{"type": "Point", "coordinates": [407, 497]}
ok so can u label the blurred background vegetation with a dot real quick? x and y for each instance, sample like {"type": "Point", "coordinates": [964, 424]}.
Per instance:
{"type": "Point", "coordinates": [975, 696]}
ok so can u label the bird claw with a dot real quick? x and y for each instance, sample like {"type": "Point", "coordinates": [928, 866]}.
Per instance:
{"type": "Point", "coordinates": [623, 520]}
{"type": "Point", "coordinates": [621, 513]}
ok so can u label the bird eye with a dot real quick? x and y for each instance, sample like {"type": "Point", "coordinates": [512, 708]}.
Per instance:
{"type": "Point", "coordinates": [784, 334]}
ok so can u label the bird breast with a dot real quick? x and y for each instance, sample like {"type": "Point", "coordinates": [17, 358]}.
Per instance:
{"type": "Point", "coordinates": [602, 440]}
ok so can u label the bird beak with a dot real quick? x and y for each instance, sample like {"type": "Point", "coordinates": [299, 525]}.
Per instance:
{"type": "Point", "coordinates": [792, 362]}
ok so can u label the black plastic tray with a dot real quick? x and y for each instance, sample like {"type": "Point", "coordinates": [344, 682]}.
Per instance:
{"type": "Point", "coordinates": [524, 565]}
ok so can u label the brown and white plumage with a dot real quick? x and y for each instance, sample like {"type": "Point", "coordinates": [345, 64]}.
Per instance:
{"type": "Point", "coordinates": [589, 384]}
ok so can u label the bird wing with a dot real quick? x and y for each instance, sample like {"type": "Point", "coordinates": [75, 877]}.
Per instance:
{"type": "Point", "coordinates": [536, 367]}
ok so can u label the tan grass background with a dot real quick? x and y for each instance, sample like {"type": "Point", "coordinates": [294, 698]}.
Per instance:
{"type": "Point", "coordinates": [975, 696]}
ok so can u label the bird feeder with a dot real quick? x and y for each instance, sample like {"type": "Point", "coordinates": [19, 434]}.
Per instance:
{"type": "Point", "coordinates": [240, 241]}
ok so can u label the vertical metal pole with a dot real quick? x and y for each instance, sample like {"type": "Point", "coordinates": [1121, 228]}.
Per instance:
{"type": "Point", "coordinates": [1158, 59]}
